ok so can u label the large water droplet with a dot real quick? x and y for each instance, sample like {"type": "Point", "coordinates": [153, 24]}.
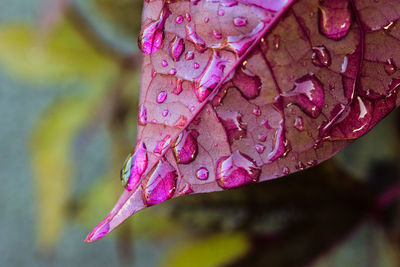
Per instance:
{"type": "Point", "coordinates": [236, 170]}
{"type": "Point", "coordinates": [192, 36]}
{"type": "Point", "coordinates": [321, 56]}
{"type": "Point", "coordinates": [308, 94]}
{"type": "Point", "coordinates": [142, 115]}
{"type": "Point", "coordinates": [248, 83]}
{"type": "Point", "coordinates": [335, 18]}
{"type": "Point", "coordinates": [135, 165]}
{"type": "Point", "coordinates": [176, 48]}
{"type": "Point", "coordinates": [185, 148]}
{"type": "Point", "coordinates": [152, 36]}
{"type": "Point", "coordinates": [161, 183]}
{"type": "Point", "coordinates": [232, 122]}
{"type": "Point", "coordinates": [210, 77]}
{"type": "Point", "coordinates": [202, 173]}
{"type": "Point", "coordinates": [279, 148]}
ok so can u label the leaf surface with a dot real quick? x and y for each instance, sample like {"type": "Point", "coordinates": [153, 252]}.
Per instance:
{"type": "Point", "coordinates": [238, 92]}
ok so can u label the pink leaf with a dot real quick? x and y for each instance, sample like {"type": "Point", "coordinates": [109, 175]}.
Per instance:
{"type": "Point", "coordinates": [245, 91]}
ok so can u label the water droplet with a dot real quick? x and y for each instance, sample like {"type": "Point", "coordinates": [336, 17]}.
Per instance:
{"type": "Point", "coordinates": [312, 163]}
{"type": "Point", "coordinates": [165, 113]}
{"type": "Point", "coordinates": [206, 20]}
{"type": "Point", "coordinates": [178, 88]}
{"type": "Point", "coordinates": [142, 115]}
{"type": "Point", "coordinates": [390, 67]}
{"type": "Point", "coordinates": [161, 183]}
{"type": "Point", "coordinates": [192, 36]}
{"type": "Point", "coordinates": [335, 18]}
{"type": "Point", "coordinates": [188, 17]}
{"type": "Point", "coordinates": [240, 21]}
{"type": "Point", "coordinates": [321, 56]}
{"type": "Point", "coordinates": [262, 137]}
{"type": "Point", "coordinates": [185, 148]}
{"type": "Point", "coordinates": [196, 65]}
{"type": "Point", "coordinates": [189, 55]}
{"type": "Point", "coordinates": [135, 165]}
{"type": "Point", "coordinates": [176, 48]}
{"type": "Point", "coordinates": [260, 148]}
{"type": "Point", "coordinates": [257, 111]}
{"type": "Point", "coordinates": [152, 35]}
{"type": "Point", "coordinates": [277, 41]}
{"type": "Point", "coordinates": [248, 84]}
{"type": "Point", "coordinates": [308, 94]}
{"type": "Point", "coordinates": [300, 166]}
{"type": "Point", "coordinates": [187, 189]}
{"type": "Point", "coordinates": [172, 71]}
{"type": "Point", "coordinates": [217, 34]}
{"type": "Point", "coordinates": [179, 19]}
{"type": "Point", "coordinates": [299, 124]}
{"type": "Point", "coordinates": [164, 63]}
{"type": "Point", "coordinates": [234, 127]}
{"type": "Point", "coordinates": [180, 122]}
{"type": "Point", "coordinates": [210, 76]}
{"type": "Point", "coordinates": [228, 3]}
{"type": "Point", "coordinates": [221, 12]}
{"type": "Point", "coordinates": [162, 145]}
{"type": "Point", "coordinates": [279, 148]}
{"type": "Point", "coordinates": [202, 173]}
{"type": "Point", "coordinates": [161, 97]}
{"type": "Point", "coordinates": [285, 171]}
{"type": "Point", "coordinates": [236, 170]}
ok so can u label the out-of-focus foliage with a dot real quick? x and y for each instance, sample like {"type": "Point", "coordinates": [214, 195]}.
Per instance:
{"type": "Point", "coordinates": [326, 216]}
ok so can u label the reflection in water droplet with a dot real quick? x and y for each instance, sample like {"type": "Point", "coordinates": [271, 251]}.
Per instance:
{"type": "Point", "coordinates": [179, 19]}
{"type": "Point", "coordinates": [236, 170]}
{"type": "Point", "coordinates": [164, 63]}
{"type": "Point", "coordinates": [260, 148]}
{"type": "Point", "coordinates": [142, 115]}
{"type": "Point", "coordinates": [161, 97]}
{"type": "Point", "coordinates": [335, 18]}
{"type": "Point", "coordinates": [135, 165]}
{"type": "Point", "coordinates": [202, 173]}
{"type": "Point", "coordinates": [189, 55]}
{"type": "Point", "coordinates": [321, 56]}
{"type": "Point", "coordinates": [308, 94]}
{"type": "Point", "coordinates": [185, 148]}
{"type": "Point", "coordinates": [161, 183]}
{"type": "Point", "coordinates": [232, 122]}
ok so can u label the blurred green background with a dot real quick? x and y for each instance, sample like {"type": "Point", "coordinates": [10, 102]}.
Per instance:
{"type": "Point", "coordinates": [69, 84]}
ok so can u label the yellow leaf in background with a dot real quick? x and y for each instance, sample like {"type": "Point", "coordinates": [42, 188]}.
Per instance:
{"type": "Point", "coordinates": [51, 162]}
{"type": "Point", "coordinates": [213, 251]}
{"type": "Point", "coordinates": [62, 54]}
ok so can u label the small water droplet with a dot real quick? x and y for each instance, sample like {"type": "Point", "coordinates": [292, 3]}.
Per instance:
{"type": "Point", "coordinates": [299, 124]}
{"type": "Point", "coordinates": [236, 170]}
{"type": "Point", "coordinates": [300, 166]}
{"type": "Point", "coordinates": [260, 148]}
{"type": "Point", "coordinates": [180, 122]}
{"type": "Point", "coordinates": [390, 67]}
{"type": "Point", "coordinates": [161, 183]}
{"type": "Point", "coordinates": [165, 113]}
{"type": "Point", "coordinates": [285, 171]}
{"type": "Point", "coordinates": [262, 137]}
{"type": "Point", "coordinates": [240, 21]}
{"type": "Point", "coordinates": [188, 17]}
{"type": "Point", "coordinates": [178, 88]}
{"type": "Point", "coordinates": [185, 148]}
{"type": "Point", "coordinates": [179, 19]}
{"type": "Point", "coordinates": [202, 173]}
{"type": "Point", "coordinates": [187, 189]}
{"type": "Point", "coordinates": [196, 65]}
{"type": "Point", "coordinates": [161, 97]}
{"type": "Point", "coordinates": [335, 18]}
{"type": "Point", "coordinates": [164, 63]}
{"type": "Point", "coordinates": [206, 20]}
{"type": "Point", "coordinates": [321, 56]}
{"type": "Point", "coordinates": [189, 55]}
{"type": "Point", "coordinates": [172, 71]}
{"type": "Point", "coordinates": [257, 111]}
{"type": "Point", "coordinates": [221, 12]}
{"type": "Point", "coordinates": [217, 34]}
{"type": "Point", "coordinates": [142, 115]}
{"type": "Point", "coordinates": [228, 3]}
{"type": "Point", "coordinates": [277, 41]}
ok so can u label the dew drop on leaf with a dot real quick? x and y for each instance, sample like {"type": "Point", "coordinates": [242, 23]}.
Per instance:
{"type": "Point", "coordinates": [185, 148]}
{"type": "Point", "coordinates": [135, 165]}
